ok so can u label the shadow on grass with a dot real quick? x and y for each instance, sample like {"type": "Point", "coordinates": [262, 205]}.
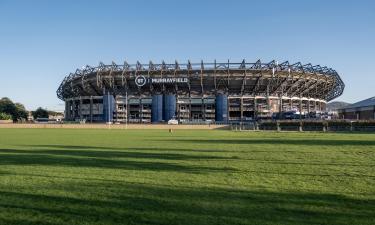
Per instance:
{"type": "Point", "coordinates": [108, 153]}
{"type": "Point", "coordinates": [316, 174]}
{"type": "Point", "coordinates": [4, 173]}
{"type": "Point", "coordinates": [250, 141]}
{"type": "Point", "coordinates": [106, 159]}
{"type": "Point", "coordinates": [131, 203]}
{"type": "Point", "coordinates": [102, 148]}
{"type": "Point", "coordinates": [303, 163]}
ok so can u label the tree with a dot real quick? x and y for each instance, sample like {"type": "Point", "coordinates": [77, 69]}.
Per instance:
{"type": "Point", "coordinates": [21, 111]}
{"type": "Point", "coordinates": [8, 107]}
{"type": "Point", "coordinates": [40, 113]}
{"type": "Point", "coordinates": [4, 116]}
{"type": "Point", "coordinates": [16, 110]}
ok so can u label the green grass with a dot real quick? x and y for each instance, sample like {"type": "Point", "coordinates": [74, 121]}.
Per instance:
{"type": "Point", "coordinates": [61, 176]}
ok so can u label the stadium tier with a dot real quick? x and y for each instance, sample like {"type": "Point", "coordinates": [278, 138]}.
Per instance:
{"type": "Point", "coordinates": [221, 92]}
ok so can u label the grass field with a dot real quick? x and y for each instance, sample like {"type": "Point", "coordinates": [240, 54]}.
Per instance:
{"type": "Point", "coordinates": [62, 176]}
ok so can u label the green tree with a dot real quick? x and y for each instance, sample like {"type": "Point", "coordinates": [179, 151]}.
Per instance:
{"type": "Point", "coordinates": [21, 111]}
{"type": "Point", "coordinates": [40, 113]}
{"type": "Point", "coordinates": [4, 116]}
{"type": "Point", "coordinates": [16, 110]}
{"type": "Point", "coordinates": [8, 107]}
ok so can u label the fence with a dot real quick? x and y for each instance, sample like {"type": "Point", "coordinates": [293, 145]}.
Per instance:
{"type": "Point", "coordinates": [115, 126]}
{"type": "Point", "coordinates": [320, 126]}
{"type": "Point", "coordinates": [335, 126]}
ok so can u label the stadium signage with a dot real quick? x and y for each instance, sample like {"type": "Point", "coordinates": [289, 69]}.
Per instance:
{"type": "Point", "coordinates": [142, 80]}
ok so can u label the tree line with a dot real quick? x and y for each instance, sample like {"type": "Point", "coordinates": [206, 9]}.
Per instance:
{"type": "Point", "coordinates": [17, 111]}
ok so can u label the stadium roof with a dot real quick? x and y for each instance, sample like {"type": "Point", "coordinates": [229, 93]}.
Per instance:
{"type": "Point", "coordinates": [235, 78]}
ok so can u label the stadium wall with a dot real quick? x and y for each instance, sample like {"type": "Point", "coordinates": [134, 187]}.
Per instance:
{"type": "Point", "coordinates": [158, 108]}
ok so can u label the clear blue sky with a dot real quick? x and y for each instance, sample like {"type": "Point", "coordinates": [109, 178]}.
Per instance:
{"type": "Point", "coordinates": [42, 41]}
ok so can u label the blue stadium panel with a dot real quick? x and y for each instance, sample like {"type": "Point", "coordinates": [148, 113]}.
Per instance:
{"type": "Point", "coordinates": [157, 108]}
{"type": "Point", "coordinates": [169, 109]}
{"type": "Point", "coordinates": [221, 111]}
{"type": "Point", "coordinates": [108, 107]}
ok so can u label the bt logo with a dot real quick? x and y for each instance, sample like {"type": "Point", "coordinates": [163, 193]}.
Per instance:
{"type": "Point", "coordinates": [140, 80]}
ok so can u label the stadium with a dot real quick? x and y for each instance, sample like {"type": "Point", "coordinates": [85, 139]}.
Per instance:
{"type": "Point", "coordinates": [214, 92]}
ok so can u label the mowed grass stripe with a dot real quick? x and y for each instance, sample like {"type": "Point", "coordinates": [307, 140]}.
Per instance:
{"type": "Point", "coordinates": [74, 176]}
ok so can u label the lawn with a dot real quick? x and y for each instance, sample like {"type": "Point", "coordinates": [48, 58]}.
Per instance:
{"type": "Point", "coordinates": [74, 176]}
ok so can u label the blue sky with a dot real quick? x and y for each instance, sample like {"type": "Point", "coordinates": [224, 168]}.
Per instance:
{"type": "Point", "coordinates": [42, 41]}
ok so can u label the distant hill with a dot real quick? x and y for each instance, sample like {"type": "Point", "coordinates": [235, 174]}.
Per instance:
{"type": "Point", "coordinates": [332, 106]}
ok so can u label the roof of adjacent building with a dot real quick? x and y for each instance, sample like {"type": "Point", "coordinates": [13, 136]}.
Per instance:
{"type": "Point", "coordinates": [363, 103]}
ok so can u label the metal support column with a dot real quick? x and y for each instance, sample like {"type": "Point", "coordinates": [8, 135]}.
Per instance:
{"type": "Point", "coordinates": [67, 109]}
{"type": "Point", "coordinates": [308, 106]}
{"type": "Point", "coordinates": [74, 110]}
{"type": "Point", "coordinates": [203, 110]}
{"type": "Point", "coordinates": [91, 108]}
{"type": "Point", "coordinates": [126, 109]}
{"type": "Point", "coordinates": [241, 108]}
{"type": "Point", "coordinates": [80, 109]}
{"type": "Point", "coordinates": [268, 98]}
{"type": "Point", "coordinates": [140, 107]}
{"type": "Point", "coordinates": [291, 104]}
{"type": "Point", "coordinates": [190, 116]}
{"type": "Point", "coordinates": [255, 108]}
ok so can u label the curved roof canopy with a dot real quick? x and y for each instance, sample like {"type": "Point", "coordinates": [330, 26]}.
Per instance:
{"type": "Point", "coordinates": [234, 78]}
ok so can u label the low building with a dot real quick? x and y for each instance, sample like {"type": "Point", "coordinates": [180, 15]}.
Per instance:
{"type": "Point", "coordinates": [362, 110]}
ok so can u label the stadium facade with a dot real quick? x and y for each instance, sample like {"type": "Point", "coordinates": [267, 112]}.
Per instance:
{"type": "Point", "coordinates": [221, 92]}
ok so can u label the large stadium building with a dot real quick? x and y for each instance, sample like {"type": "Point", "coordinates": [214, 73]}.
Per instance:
{"type": "Point", "coordinates": [216, 92]}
